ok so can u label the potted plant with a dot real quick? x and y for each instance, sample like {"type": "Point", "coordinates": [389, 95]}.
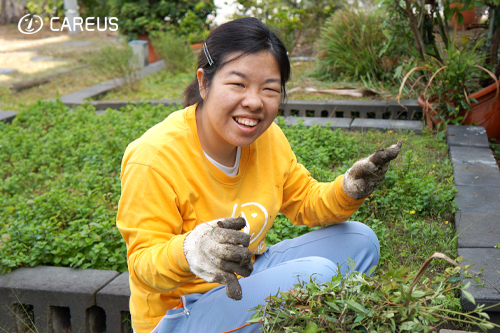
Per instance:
{"type": "Point", "coordinates": [139, 19]}
{"type": "Point", "coordinates": [455, 81]}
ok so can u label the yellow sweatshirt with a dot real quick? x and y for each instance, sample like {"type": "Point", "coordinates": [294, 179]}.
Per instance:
{"type": "Point", "coordinates": [169, 187]}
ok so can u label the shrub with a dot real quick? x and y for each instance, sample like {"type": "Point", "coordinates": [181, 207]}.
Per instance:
{"type": "Point", "coordinates": [60, 184]}
{"type": "Point", "coordinates": [292, 19]}
{"type": "Point", "coordinates": [175, 51]}
{"type": "Point", "coordinates": [353, 44]}
{"type": "Point", "coordinates": [144, 17]}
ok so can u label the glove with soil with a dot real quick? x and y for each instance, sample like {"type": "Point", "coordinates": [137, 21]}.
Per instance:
{"type": "Point", "coordinates": [214, 254]}
{"type": "Point", "coordinates": [366, 175]}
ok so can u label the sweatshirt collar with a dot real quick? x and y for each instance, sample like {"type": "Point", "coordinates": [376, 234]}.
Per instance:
{"type": "Point", "coordinates": [190, 116]}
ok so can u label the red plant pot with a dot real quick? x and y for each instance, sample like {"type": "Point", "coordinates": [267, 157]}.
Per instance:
{"type": "Point", "coordinates": [470, 17]}
{"type": "Point", "coordinates": [486, 112]}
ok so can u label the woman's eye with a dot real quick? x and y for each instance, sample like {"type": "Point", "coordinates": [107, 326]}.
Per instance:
{"type": "Point", "coordinates": [239, 85]}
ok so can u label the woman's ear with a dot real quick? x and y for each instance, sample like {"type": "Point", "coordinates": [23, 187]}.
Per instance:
{"type": "Point", "coordinates": [200, 74]}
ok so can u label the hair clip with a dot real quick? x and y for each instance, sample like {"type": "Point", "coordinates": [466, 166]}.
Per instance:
{"type": "Point", "coordinates": [207, 54]}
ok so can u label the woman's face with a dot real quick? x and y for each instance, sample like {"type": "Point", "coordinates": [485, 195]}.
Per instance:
{"type": "Point", "coordinates": [241, 103]}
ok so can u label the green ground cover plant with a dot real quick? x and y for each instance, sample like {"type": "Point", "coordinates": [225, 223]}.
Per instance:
{"type": "Point", "coordinates": [59, 186]}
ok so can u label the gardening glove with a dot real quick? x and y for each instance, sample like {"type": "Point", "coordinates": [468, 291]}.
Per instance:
{"type": "Point", "coordinates": [367, 174]}
{"type": "Point", "coordinates": [214, 254]}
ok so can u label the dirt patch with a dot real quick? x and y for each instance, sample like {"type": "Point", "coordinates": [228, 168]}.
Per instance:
{"type": "Point", "coordinates": [44, 55]}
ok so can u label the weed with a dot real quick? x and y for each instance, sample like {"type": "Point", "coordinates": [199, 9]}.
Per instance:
{"type": "Point", "coordinates": [391, 302]}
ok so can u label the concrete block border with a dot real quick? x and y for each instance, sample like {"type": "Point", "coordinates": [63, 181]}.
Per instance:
{"type": "Point", "coordinates": [477, 178]}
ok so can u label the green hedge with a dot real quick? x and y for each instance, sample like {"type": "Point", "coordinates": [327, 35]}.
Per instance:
{"type": "Point", "coordinates": [60, 186]}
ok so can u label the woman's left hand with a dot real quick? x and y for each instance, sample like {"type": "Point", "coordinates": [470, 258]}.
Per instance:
{"type": "Point", "coordinates": [366, 175]}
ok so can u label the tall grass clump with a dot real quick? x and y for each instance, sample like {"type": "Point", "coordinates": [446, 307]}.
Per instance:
{"type": "Point", "coordinates": [118, 62]}
{"type": "Point", "coordinates": [353, 45]}
{"type": "Point", "coordinates": [175, 51]}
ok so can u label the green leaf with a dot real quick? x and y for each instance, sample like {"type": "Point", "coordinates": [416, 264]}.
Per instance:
{"type": "Point", "coordinates": [485, 326]}
{"type": "Point", "coordinates": [469, 296]}
{"type": "Point", "coordinates": [355, 306]}
{"type": "Point", "coordinates": [311, 327]}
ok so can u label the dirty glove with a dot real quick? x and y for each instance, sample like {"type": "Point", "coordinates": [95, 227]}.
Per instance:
{"type": "Point", "coordinates": [213, 253]}
{"type": "Point", "coordinates": [367, 174]}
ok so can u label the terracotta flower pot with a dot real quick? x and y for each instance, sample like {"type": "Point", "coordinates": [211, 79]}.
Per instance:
{"type": "Point", "coordinates": [485, 113]}
{"type": "Point", "coordinates": [152, 56]}
{"type": "Point", "coordinates": [197, 47]}
{"type": "Point", "coordinates": [470, 17]}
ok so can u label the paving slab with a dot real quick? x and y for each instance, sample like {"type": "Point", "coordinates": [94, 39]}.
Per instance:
{"type": "Point", "coordinates": [472, 155]}
{"type": "Point", "coordinates": [6, 71]}
{"type": "Point", "coordinates": [478, 229]}
{"type": "Point", "coordinates": [7, 116]}
{"type": "Point", "coordinates": [44, 287]}
{"type": "Point", "coordinates": [360, 124]}
{"type": "Point", "coordinates": [471, 199]}
{"type": "Point", "coordinates": [486, 259]}
{"type": "Point", "coordinates": [342, 123]}
{"type": "Point", "coordinates": [114, 299]}
{"type": "Point", "coordinates": [477, 175]}
{"type": "Point", "coordinates": [468, 136]}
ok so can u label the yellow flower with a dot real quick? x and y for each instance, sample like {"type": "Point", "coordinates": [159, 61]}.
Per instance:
{"type": "Point", "coordinates": [389, 132]}
{"type": "Point", "coordinates": [412, 212]}
{"type": "Point", "coordinates": [434, 165]}
{"type": "Point", "coordinates": [446, 222]}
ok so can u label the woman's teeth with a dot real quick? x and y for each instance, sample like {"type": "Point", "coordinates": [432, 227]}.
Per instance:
{"type": "Point", "coordinates": [246, 121]}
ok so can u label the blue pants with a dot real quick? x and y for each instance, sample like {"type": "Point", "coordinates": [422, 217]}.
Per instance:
{"type": "Point", "coordinates": [278, 269]}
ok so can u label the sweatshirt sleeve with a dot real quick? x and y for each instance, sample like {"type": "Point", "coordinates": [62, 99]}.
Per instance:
{"type": "Point", "coordinates": [151, 225]}
{"type": "Point", "coordinates": [309, 202]}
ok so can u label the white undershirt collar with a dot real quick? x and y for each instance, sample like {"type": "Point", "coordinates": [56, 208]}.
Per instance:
{"type": "Point", "coordinates": [230, 171]}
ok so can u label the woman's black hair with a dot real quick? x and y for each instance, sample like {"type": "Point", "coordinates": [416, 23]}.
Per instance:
{"type": "Point", "coordinates": [244, 36]}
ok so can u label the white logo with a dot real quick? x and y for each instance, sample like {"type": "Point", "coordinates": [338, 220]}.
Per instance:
{"type": "Point", "coordinates": [71, 24]}
{"type": "Point", "coordinates": [255, 215]}
{"type": "Point", "coordinates": [33, 22]}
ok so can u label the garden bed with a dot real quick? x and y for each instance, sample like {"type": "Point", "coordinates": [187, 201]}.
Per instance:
{"type": "Point", "coordinates": [60, 186]}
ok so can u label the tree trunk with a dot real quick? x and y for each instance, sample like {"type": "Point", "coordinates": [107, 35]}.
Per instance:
{"type": "Point", "coordinates": [12, 11]}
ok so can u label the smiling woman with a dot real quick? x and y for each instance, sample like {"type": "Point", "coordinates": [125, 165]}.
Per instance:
{"type": "Point", "coordinates": [201, 189]}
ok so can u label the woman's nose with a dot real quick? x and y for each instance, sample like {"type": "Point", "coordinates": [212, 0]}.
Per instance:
{"type": "Point", "coordinates": [253, 101]}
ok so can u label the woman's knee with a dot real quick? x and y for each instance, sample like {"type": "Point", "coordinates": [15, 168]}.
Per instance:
{"type": "Point", "coordinates": [361, 229]}
{"type": "Point", "coordinates": [319, 268]}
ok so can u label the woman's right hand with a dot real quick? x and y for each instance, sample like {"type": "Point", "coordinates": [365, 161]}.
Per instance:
{"type": "Point", "coordinates": [214, 254]}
